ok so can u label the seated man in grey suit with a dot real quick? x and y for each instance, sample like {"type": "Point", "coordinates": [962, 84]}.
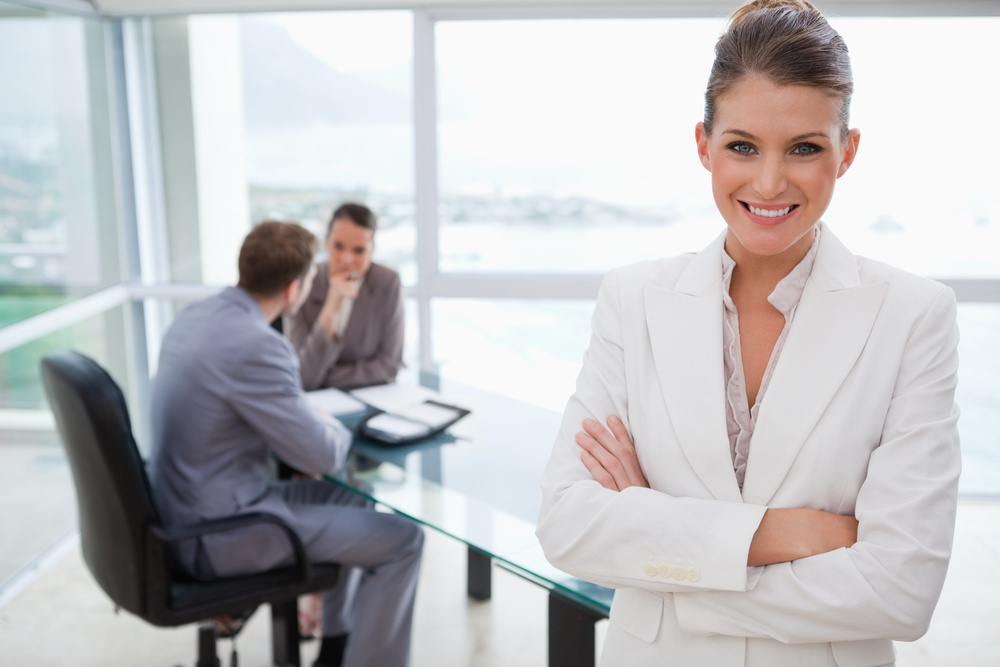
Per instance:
{"type": "Point", "coordinates": [227, 394]}
{"type": "Point", "coordinates": [349, 331]}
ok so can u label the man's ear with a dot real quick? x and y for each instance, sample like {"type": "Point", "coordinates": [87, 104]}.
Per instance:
{"type": "Point", "coordinates": [288, 294]}
{"type": "Point", "coordinates": [701, 137]}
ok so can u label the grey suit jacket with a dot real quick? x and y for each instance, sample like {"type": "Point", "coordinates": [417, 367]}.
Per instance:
{"type": "Point", "coordinates": [226, 394]}
{"type": "Point", "coordinates": [371, 349]}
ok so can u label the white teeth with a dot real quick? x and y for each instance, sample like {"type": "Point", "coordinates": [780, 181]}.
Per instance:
{"type": "Point", "coordinates": [767, 213]}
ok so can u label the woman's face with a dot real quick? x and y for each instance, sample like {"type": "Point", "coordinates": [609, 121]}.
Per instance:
{"type": "Point", "coordinates": [775, 154]}
{"type": "Point", "coordinates": [350, 247]}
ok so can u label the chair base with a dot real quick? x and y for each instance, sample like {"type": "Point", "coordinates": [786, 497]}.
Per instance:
{"type": "Point", "coordinates": [285, 633]}
{"type": "Point", "coordinates": [207, 655]}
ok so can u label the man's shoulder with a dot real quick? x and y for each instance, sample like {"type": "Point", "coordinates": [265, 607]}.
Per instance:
{"type": "Point", "coordinates": [224, 327]}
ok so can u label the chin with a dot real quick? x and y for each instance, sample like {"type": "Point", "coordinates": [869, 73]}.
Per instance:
{"type": "Point", "coordinates": [770, 241]}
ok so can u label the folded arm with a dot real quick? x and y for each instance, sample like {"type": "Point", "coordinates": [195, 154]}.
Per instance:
{"type": "Point", "coordinates": [825, 578]}
{"type": "Point", "coordinates": [784, 534]}
{"type": "Point", "coordinates": [888, 583]}
{"type": "Point", "coordinates": [325, 359]}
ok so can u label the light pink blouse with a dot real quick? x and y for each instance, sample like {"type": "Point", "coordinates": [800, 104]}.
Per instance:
{"type": "Point", "coordinates": [740, 417]}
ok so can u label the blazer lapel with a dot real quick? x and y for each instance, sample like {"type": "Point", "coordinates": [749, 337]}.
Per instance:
{"type": "Point", "coordinates": [830, 328]}
{"type": "Point", "coordinates": [685, 329]}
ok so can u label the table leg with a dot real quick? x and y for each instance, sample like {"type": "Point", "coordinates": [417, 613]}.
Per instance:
{"type": "Point", "coordinates": [571, 633]}
{"type": "Point", "coordinates": [480, 576]}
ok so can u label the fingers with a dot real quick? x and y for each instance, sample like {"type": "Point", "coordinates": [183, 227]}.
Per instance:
{"type": "Point", "coordinates": [618, 429]}
{"type": "Point", "coordinates": [626, 452]}
{"type": "Point", "coordinates": [598, 472]}
{"type": "Point", "coordinates": [344, 285]}
{"type": "Point", "coordinates": [610, 456]}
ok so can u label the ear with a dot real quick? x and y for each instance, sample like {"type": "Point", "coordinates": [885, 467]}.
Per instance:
{"type": "Point", "coordinates": [850, 151]}
{"type": "Point", "coordinates": [290, 292]}
{"type": "Point", "coordinates": [701, 137]}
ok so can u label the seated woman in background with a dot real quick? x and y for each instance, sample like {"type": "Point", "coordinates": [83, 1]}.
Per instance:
{"type": "Point", "coordinates": [777, 482]}
{"type": "Point", "coordinates": [349, 332]}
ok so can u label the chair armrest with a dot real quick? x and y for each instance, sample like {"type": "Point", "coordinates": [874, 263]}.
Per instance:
{"type": "Point", "coordinates": [225, 524]}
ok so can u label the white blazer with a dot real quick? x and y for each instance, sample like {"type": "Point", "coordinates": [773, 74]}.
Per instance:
{"type": "Point", "coordinates": [859, 418]}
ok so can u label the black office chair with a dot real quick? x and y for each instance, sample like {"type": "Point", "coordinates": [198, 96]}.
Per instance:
{"type": "Point", "coordinates": [124, 543]}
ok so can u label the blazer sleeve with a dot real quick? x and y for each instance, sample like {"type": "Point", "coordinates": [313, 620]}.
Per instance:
{"type": "Point", "coordinates": [266, 393]}
{"type": "Point", "coordinates": [315, 349]}
{"type": "Point", "coordinates": [888, 583]}
{"type": "Point", "coordinates": [626, 539]}
{"type": "Point", "coordinates": [386, 308]}
{"type": "Point", "coordinates": [328, 361]}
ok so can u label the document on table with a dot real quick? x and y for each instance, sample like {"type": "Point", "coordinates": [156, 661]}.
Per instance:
{"type": "Point", "coordinates": [335, 402]}
{"type": "Point", "coordinates": [409, 412]}
{"type": "Point", "coordinates": [394, 397]}
{"type": "Point", "coordinates": [435, 415]}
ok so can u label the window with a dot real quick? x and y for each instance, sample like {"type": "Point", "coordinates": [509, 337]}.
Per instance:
{"type": "Point", "coordinates": [58, 226]}
{"type": "Point", "coordinates": [529, 349]}
{"type": "Point", "coordinates": [567, 145]}
{"type": "Point", "coordinates": [328, 108]}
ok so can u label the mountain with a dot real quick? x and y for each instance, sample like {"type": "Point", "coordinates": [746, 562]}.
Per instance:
{"type": "Point", "coordinates": [285, 84]}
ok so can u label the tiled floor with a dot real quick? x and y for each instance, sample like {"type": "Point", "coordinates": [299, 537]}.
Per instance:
{"type": "Point", "coordinates": [63, 618]}
{"type": "Point", "coordinates": [58, 616]}
{"type": "Point", "coordinates": [37, 501]}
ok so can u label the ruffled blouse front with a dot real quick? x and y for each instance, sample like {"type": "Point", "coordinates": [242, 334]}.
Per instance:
{"type": "Point", "coordinates": [740, 416]}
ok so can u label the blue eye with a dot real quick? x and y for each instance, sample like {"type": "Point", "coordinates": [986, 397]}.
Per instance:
{"type": "Point", "coordinates": [741, 147]}
{"type": "Point", "coordinates": [806, 149]}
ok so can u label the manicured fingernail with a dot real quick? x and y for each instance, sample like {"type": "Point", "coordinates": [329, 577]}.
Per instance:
{"type": "Point", "coordinates": [589, 422]}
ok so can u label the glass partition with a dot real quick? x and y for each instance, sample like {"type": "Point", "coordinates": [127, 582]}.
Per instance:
{"type": "Point", "coordinates": [327, 100]}
{"type": "Point", "coordinates": [529, 349]}
{"type": "Point", "coordinates": [34, 474]}
{"type": "Point", "coordinates": [58, 221]}
{"type": "Point", "coordinates": [568, 145]}
{"type": "Point", "coordinates": [920, 196]}
{"type": "Point", "coordinates": [978, 383]}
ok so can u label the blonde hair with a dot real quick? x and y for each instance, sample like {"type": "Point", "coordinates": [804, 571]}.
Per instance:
{"type": "Point", "coordinates": [787, 41]}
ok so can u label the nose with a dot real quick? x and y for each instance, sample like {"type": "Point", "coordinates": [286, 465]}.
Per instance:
{"type": "Point", "coordinates": [770, 180]}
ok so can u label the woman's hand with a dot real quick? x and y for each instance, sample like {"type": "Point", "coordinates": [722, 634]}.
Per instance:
{"type": "Point", "coordinates": [610, 457]}
{"type": "Point", "coordinates": [790, 533]}
{"type": "Point", "coordinates": [343, 285]}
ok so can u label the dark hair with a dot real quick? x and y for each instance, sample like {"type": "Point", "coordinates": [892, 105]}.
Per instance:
{"type": "Point", "coordinates": [273, 255]}
{"type": "Point", "coordinates": [359, 214]}
{"type": "Point", "coordinates": [786, 41]}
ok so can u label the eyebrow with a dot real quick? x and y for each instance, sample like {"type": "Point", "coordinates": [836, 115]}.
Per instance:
{"type": "Point", "coordinates": [801, 137]}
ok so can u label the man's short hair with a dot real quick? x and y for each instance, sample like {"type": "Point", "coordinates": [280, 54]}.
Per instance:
{"type": "Point", "coordinates": [273, 255]}
{"type": "Point", "coordinates": [359, 214]}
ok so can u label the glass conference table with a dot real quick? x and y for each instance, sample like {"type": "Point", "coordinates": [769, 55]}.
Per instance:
{"type": "Point", "coordinates": [478, 482]}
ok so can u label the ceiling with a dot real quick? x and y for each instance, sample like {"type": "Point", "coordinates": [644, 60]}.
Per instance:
{"type": "Point", "coordinates": [672, 7]}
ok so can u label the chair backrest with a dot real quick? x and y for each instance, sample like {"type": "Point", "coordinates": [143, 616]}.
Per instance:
{"type": "Point", "coordinates": [112, 489]}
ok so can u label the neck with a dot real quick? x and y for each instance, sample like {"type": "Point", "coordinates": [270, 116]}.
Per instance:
{"type": "Point", "coordinates": [271, 306]}
{"type": "Point", "coordinates": [766, 271]}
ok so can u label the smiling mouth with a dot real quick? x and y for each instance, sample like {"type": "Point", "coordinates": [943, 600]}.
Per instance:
{"type": "Point", "coordinates": [769, 213]}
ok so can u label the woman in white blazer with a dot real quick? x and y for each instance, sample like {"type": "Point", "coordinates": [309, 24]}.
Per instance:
{"type": "Point", "coordinates": [790, 495]}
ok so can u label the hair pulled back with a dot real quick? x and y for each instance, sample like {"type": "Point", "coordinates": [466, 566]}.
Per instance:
{"type": "Point", "coordinates": [786, 41]}
{"type": "Point", "coordinates": [273, 255]}
{"type": "Point", "coordinates": [359, 214]}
